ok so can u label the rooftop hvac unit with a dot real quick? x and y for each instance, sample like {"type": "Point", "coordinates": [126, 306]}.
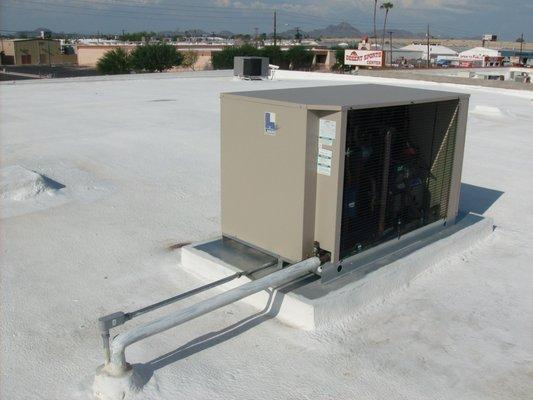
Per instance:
{"type": "Point", "coordinates": [250, 67]}
{"type": "Point", "coordinates": [339, 170]}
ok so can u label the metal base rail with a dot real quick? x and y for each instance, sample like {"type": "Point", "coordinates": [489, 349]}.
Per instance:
{"type": "Point", "coordinates": [115, 360]}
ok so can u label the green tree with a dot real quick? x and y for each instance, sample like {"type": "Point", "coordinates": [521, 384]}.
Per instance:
{"type": "Point", "coordinates": [155, 57]}
{"type": "Point", "coordinates": [339, 59]}
{"type": "Point", "coordinates": [189, 59]}
{"type": "Point", "coordinates": [137, 36]}
{"type": "Point", "coordinates": [114, 62]}
{"type": "Point", "coordinates": [275, 56]}
{"type": "Point", "coordinates": [299, 57]}
{"type": "Point", "coordinates": [298, 35]}
{"type": "Point", "coordinates": [387, 7]}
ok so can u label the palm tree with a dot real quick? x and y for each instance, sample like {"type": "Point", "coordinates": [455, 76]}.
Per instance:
{"type": "Point", "coordinates": [387, 7]}
{"type": "Point", "coordinates": [375, 34]}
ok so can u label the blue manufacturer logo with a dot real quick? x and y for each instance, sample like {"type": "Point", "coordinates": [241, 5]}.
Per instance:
{"type": "Point", "coordinates": [270, 123]}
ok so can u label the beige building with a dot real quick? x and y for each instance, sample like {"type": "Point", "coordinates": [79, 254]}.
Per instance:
{"type": "Point", "coordinates": [34, 51]}
{"type": "Point", "coordinates": [88, 54]}
{"type": "Point", "coordinates": [323, 59]}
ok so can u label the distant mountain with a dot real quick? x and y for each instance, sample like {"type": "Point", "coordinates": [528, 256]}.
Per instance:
{"type": "Point", "coordinates": [342, 30]}
{"type": "Point", "coordinates": [346, 30]}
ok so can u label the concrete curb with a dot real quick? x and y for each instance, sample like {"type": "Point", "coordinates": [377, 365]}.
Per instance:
{"type": "Point", "coordinates": [345, 297]}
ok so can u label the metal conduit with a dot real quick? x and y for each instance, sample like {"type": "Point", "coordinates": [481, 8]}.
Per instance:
{"type": "Point", "coordinates": [200, 289]}
{"type": "Point", "coordinates": [118, 365]}
{"type": "Point", "coordinates": [115, 319]}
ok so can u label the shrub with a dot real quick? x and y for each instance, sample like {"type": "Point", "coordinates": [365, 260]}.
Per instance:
{"type": "Point", "coordinates": [297, 57]}
{"type": "Point", "coordinates": [114, 62]}
{"type": "Point", "coordinates": [224, 59]}
{"type": "Point", "coordinates": [155, 57]}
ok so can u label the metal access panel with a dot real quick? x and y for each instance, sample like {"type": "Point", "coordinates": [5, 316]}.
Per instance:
{"type": "Point", "coordinates": [250, 66]}
{"type": "Point", "coordinates": [348, 167]}
{"type": "Point", "coordinates": [267, 190]}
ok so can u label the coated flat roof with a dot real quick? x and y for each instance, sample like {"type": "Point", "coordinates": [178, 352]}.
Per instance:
{"type": "Point", "coordinates": [340, 97]}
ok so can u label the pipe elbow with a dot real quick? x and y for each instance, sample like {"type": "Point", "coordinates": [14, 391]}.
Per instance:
{"type": "Point", "coordinates": [118, 349]}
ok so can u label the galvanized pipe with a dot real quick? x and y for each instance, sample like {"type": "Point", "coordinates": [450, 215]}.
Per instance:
{"type": "Point", "coordinates": [118, 365]}
{"type": "Point", "coordinates": [197, 290]}
{"type": "Point", "coordinates": [115, 319]}
{"type": "Point", "coordinates": [105, 345]}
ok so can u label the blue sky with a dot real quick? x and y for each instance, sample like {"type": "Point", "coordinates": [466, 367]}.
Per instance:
{"type": "Point", "coordinates": [507, 18]}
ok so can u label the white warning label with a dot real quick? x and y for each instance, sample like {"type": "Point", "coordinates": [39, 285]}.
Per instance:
{"type": "Point", "coordinates": [324, 161]}
{"type": "Point", "coordinates": [326, 131]}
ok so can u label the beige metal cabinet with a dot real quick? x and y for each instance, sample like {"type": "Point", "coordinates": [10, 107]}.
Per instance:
{"type": "Point", "coordinates": [348, 166]}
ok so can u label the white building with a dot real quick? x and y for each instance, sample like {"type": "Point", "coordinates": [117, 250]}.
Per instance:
{"type": "Point", "coordinates": [478, 53]}
{"type": "Point", "coordinates": [481, 57]}
{"type": "Point", "coordinates": [435, 50]}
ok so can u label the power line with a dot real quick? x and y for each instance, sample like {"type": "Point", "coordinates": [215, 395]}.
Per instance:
{"type": "Point", "coordinates": [144, 16]}
{"type": "Point", "coordinates": [110, 8]}
{"type": "Point", "coordinates": [187, 13]}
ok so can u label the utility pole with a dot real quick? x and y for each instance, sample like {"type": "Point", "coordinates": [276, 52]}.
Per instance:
{"type": "Point", "coordinates": [275, 28]}
{"type": "Point", "coordinates": [298, 35]}
{"type": "Point", "coordinates": [390, 45]}
{"type": "Point", "coordinates": [521, 48]}
{"type": "Point", "coordinates": [429, 58]}
{"type": "Point", "coordinates": [256, 34]}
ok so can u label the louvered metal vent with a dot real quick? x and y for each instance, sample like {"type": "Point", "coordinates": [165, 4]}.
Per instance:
{"type": "Point", "coordinates": [398, 171]}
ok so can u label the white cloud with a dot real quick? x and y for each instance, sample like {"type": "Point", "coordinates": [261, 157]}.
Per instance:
{"type": "Point", "coordinates": [320, 7]}
{"type": "Point", "coordinates": [96, 3]}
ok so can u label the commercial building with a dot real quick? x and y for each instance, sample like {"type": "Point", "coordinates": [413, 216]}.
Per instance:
{"type": "Point", "coordinates": [89, 54]}
{"type": "Point", "coordinates": [33, 51]}
{"type": "Point", "coordinates": [323, 59]}
{"type": "Point", "coordinates": [480, 57]}
{"type": "Point", "coordinates": [435, 50]}
{"type": "Point", "coordinates": [516, 57]}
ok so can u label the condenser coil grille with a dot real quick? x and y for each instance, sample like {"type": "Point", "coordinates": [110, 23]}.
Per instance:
{"type": "Point", "coordinates": [398, 170]}
{"type": "Point", "coordinates": [252, 67]}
